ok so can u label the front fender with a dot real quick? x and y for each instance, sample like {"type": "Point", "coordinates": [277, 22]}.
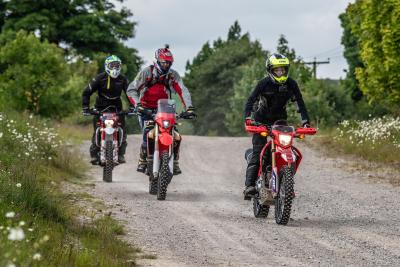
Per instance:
{"type": "Point", "coordinates": [285, 155]}
{"type": "Point", "coordinates": [166, 139]}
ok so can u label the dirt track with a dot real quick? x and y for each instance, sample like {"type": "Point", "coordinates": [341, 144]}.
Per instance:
{"type": "Point", "coordinates": [339, 218]}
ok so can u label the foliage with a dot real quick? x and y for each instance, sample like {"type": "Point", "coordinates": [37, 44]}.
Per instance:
{"type": "Point", "coordinates": [35, 77]}
{"type": "Point", "coordinates": [86, 27]}
{"type": "Point", "coordinates": [211, 77]}
{"type": "Point", "coordinates": [352, 55]}
{"type": "Point", "coordinates": [252, 73]}
{"type": "Point", "coordinates": [327, 103]}
{"type": "Point", "coordinates": [37, 223]}
{"type": "Point", "coordinates": [32, 75]}
{"type": "Point", "coordinates": [375, 140]}
{"type": "Point", "coordinates": [298, 70]}
{"type": "Point", "coordinates": [376, 27]}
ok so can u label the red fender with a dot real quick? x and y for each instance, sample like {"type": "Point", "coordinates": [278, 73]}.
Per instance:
{"type": "Point", "coordinates": [166, 139]}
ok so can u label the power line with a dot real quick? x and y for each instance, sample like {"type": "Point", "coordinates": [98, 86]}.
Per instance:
{"type": "Point", "coordinates": [314, 64]}
{"type": "Point", "coordinates": [327, 52]}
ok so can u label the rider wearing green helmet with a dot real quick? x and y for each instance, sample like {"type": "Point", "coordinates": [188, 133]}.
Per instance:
{"type": "Point", "coordinates": [109, 86]}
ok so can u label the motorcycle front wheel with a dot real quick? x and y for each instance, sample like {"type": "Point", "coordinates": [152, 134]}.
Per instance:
{"type": "Point", "coordinates": [109, 164]}
{"type": "Point", "coordinates": [283, 202]}
{"type": "Point", "coordinates": [164, 177]}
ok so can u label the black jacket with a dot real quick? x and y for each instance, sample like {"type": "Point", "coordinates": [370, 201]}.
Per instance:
{"type": "Point", "coordinates": [268, 101]}
{"type": "Point", "coordinates": [108, 91]}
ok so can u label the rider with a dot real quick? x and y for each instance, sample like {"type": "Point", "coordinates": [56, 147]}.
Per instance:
{"type": "Point", "coordinates": [155, 82]}
{"type": "Point", "coordinates": [268, 103]}
{"type": "Point", "coordinates": [109, 85]}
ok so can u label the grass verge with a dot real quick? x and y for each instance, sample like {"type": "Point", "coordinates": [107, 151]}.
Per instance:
{"type": "Point", "coordinates": [39, 225]}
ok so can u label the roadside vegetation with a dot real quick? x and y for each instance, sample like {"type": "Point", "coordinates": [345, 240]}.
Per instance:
{"type": "Point", "coordinates": [39, 225]}
{"type": "Point", "coordinates": [375, 140]}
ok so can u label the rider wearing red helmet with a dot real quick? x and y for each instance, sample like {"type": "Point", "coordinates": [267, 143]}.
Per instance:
{"type": "Point", "coordinates": [155, 82]}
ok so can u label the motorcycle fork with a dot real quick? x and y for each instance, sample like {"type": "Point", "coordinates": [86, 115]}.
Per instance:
{"type": "Point", "coordinates": [274, 183]}
{"type": "Point", "coordinates": [156, 154]}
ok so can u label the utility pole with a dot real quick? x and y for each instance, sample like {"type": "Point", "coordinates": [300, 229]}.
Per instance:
{"type": "Point", "coordinates": [314, 65]}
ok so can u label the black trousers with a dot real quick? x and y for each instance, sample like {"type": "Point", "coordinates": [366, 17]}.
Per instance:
{"type": "Point", "coordinates": [94, 150]}
{"type": "Point", "coordinates": [254, 160]}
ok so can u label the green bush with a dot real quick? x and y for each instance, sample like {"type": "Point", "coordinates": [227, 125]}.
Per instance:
{"type": "Point", "coordinates": [35, 77]}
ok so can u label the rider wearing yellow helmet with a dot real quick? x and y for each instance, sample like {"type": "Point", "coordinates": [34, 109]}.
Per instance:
{"type": "Point", "coordinates": [267, 104]}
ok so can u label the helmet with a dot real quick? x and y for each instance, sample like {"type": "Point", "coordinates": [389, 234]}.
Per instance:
{"type": "Point", "coordinates": [112, 66]}
{"type": "Point", "coordinates": [278, 68]}
{"type": "Point", "coordinates": [164, 60]}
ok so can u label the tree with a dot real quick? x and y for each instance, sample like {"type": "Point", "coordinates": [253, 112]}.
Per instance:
{"type": "Point", "coordinates": [352, 55]}
{"type": "Point", "coordinates": [87, 26]}
{"type": "Point", "coordinates": [298, 70]}
{"type": "Point", "coordinates": [252, 73]}
{"type": "Point", "coordinates": [35, 77]}
{"type": "Point", "coordinates": [235, 32]}
{"type": "Point", "coordinates": [211, 78]}
{"type": "Point", "coordinates": [375, 26]}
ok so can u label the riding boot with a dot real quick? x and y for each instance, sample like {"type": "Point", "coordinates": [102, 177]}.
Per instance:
{"type": "Point", "coordinates": [94, 152]}
{"type": "Point", "coordinates": [177, 169]}
{"type": "Point", "coordinates": [142, 164]}
{"type": "Point", "coordinates": [121, 152]}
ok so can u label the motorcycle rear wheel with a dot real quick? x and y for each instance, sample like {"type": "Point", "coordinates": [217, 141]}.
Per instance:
{"type": "Point", "coordinates": [283, 202]}
{"type": "Point", "coordinates": [164, 177]}
{"type": "Point", "coordinates": [109, 164]}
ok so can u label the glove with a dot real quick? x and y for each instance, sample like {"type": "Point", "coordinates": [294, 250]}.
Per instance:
{"type": "Point", "coordinates": [306, 124]}
{"type": "Point", "coordinates": [140, 109]}
{"type": "Point", "coordinates": [86, 111]}
{"type": "Point", "coordinates": [190, 113]}
{"type": "Point", "coordinates": [131, 110]}
{"type": "Point", "coordinates": [248, 121]}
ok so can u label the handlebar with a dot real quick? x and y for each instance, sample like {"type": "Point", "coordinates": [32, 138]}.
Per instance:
{"type": "Point", "coordinates": [262, 128]}
{"type": "Point", "coordinates": [94, 112]}
{"type": "Point", "coordinates": [152, 112]}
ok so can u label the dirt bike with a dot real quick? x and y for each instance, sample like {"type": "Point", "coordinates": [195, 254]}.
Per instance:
{"type": "Point", "coordinates": [160, 146]}
{"type": "Point", "coordinates": [279, 161]}
{"type": "Point", "coordinates": [108, 138]}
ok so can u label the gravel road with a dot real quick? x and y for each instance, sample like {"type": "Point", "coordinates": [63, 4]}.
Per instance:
{"type": "Point", "coordinates": [339, 217]}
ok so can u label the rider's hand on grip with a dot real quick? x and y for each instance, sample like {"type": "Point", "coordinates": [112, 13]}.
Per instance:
{"type": "Point", "coordinates": [248, 121]}
{"type": "Point", "coordinates": [140, 109]}
{"type": "Point", "coordinates": [306, 124]}
{"type": "Point", "coordinates": [131, 110]}
{"type": "Point", "coordinates": [190, 113]}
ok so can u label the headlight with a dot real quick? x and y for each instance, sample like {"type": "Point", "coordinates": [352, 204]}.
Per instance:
{"type": "Point", "coordinates": [166, 124]}
{"type": "Point", "coordinates": [285, 139]}
{"type": "Point", "coordinates": [109, 123]}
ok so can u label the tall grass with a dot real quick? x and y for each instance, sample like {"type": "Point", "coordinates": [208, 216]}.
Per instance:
{"type": "Point", "coordinates": [37, 222]}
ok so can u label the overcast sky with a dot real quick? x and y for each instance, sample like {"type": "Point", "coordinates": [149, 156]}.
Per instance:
{"type": "Point", "coordinates": [312, 27]}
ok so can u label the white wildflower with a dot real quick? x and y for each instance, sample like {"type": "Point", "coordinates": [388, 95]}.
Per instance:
{"type": "Point", "coordinates": [18, 185]}
{"type": "Point", "coordinates": [10, 214]}
{"type": "Point", "coordinates": [37, 257]}
{"type": "Point", "coordinates": [21, 223]}
{"type": "Point", "coordinates": [1, 135]}
{"type": "Point", "coordinates": [16, 234]}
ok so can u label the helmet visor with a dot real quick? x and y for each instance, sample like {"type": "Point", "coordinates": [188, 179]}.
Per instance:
{"type": "Point", "coordinates": [114, 65]}
{"type": "Point", "coordinates": [279, 71]}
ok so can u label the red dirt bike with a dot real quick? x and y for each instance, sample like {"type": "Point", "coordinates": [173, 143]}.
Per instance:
{"type": "Point", "coordinates": [160, 146]}
{"type": "Point", "coordinates": [109, 135]}
{"type": "Point", "coordinates": [279, 161]}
